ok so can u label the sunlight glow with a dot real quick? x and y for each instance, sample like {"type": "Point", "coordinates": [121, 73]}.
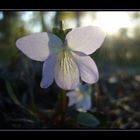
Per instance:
{"type": "Point", "coordinates": [111, 22]}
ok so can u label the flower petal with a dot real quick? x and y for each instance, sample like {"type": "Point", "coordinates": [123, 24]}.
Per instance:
{"type": "Point", "coordinates": [85, 39]}
{"type": "Point", "coordinates": [72, 95]}
{"type": "Point", "coordinates": [66, 71]}
{"type": "Point", "coordinates": [87, 68]}
{"type": "Point", "coordinates": [84, 104]}
{"type": "Point", "coordinates": [48, 71]}
{"type": "Point", "coordinates": [80, 99]}
{"type": "Point", "coordinates": [38, 46]}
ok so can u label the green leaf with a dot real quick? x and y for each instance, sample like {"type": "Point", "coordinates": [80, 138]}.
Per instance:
{"type": "Point", "coordinates": [56, 30]}
{"type": "Point", "coordinates": [67, 30]}
{"type": "Point", "coordinates": [60, 32]}
{"type": "Point", "coordinates": [87, 120]}
{"type": "Point", "coordinates": [103, 119]}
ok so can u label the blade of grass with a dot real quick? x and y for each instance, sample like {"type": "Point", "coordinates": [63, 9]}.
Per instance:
{"type": "Point", "coordinates": [11, 93]}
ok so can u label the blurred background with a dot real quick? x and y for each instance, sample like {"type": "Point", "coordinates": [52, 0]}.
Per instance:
{"type": "Point", "coordinates": [23, 104]}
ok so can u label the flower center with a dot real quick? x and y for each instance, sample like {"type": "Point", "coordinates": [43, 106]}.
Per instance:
{"type": "Point", "coordinates": [66, 61]}
{"type": "Point", "coordinates": [66, 70]}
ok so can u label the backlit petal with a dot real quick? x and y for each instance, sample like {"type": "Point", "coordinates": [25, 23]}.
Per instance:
{"type": "Point", "coordinates": [48, 71]}
{"type": "Point", "coordinates": [84, 104]}
{"type": "Point", "coordinates": [39, 46]}
{"type": "Point", "coordinates": [85, 39]}
{"type": "Point", "coordinates": [66, 71]}
{"type": "Point", "coordinates": [87, 68]}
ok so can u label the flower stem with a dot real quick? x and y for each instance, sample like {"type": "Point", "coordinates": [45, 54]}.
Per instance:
{"type": "Point", "coordinates": [62, 106]}
{"type": "Point", "coordinates": [97, 96]}
{"type": "Point", "coordinates": [61, 25]}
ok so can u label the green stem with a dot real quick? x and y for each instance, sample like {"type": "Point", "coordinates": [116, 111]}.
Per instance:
{"type": "Point", "coordinates": [61, 25]}
{"type": "Point", "coordinates": [62, 105]}
{"type": "Point", "coordinates": [97, 96]}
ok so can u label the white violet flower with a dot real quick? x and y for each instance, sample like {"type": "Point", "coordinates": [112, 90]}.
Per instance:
{"type": "Point", "coordinates": [65, 62]}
